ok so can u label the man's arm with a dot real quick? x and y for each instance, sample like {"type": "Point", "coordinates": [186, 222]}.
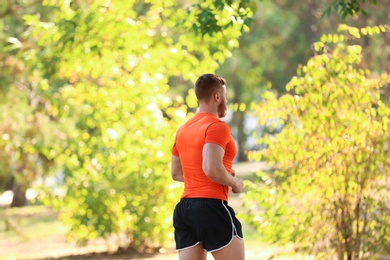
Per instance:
{"type": "Point", "coordinates": [176, 170]}
{"type": "Point", "coordinates": [213, 167]}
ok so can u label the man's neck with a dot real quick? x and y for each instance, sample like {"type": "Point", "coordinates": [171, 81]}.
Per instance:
{"type": "Point", "coordinates": [203, 109]}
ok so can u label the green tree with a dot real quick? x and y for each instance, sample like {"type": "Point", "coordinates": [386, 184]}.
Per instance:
{"type": "Point", "coordinates": [328, 191]}
{"type": "Point", "coordinates": [23, 158]}
{"type": "Point", "coordinates": [100, 73]}
{"type": "Point", "coordinates": [280, 39]}
{"type": "Point", "coordinates": [266, 55]}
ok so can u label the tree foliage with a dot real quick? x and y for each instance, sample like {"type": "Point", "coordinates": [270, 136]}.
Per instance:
{"type": "Point", "coordinates": [349, 7]}
{"type": "Point", "coordinates": [206, 17]}
{"type": "Point", "coordinates": [97, 74]}
{"type": "Point", "coordinates": [328, 191]}
{"type": "Point", "coordinates": [281, 37]}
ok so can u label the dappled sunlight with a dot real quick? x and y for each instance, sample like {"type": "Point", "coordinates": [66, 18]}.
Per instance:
{"type": "Point", "coordinates": [92, 93]}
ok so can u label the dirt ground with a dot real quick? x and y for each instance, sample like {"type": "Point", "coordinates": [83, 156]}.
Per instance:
{"type": "Point", "coordinates": [56, 247]}
{"type": "Point", "coordinates": [39, 235]}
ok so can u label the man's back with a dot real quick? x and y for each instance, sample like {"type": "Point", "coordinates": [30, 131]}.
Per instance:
{"type": "Point", "coordinates": [190, 139]}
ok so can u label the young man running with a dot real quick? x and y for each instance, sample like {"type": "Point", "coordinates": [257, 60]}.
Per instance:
{"type": "Point", "coordinates": [202, 158]}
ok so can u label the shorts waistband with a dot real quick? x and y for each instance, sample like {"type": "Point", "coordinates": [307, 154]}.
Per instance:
{"type": "Point", "coordinates": [204, 200]}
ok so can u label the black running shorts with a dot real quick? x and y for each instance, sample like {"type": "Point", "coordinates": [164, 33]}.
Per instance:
{"type": "Point", "coordinates": [208, 221]}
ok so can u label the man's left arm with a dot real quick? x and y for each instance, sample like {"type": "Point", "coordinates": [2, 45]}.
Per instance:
{"type": "Point", "coordinates": [213, 167]}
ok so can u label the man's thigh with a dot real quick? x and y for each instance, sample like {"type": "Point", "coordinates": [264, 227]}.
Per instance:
{"type": "Point", "coordinates": [234, 251]}
{"type": "Point", "coordinates": [194, 253]}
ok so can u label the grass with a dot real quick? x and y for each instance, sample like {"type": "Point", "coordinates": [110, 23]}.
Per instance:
{"type": "Point", "coordinates": [30, 221]}
{"type": "Point", "coordinates": [37, 223]}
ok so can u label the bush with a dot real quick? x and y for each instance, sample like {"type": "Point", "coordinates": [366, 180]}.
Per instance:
{"type": "Point", "coordinates": [328, 191]}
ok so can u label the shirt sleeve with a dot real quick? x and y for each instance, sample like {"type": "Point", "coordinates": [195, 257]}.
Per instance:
{"type": "Point", "coordinates": [218, 133]}
{"type": "Point", "coordinates": [175, 152]}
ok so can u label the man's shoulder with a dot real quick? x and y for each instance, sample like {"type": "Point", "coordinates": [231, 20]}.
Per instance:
{"type": "Point", "coordinates": [219, 128]}
{"type": "Point", "coordinates": [219, 123]}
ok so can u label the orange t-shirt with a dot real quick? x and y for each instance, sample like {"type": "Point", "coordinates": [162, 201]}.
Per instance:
{"type": "Point", "coordinates": [201, 129]}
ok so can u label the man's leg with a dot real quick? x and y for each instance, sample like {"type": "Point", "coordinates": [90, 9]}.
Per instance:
{"type": "Point", "coordinates": [234, 251]}
{"type": "Point", "coordinates": [194, 253]}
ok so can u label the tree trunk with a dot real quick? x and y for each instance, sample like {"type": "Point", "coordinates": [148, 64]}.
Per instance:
{"type": "Point", "coordinates": [238, 119]}
{"type": "Point", "coordinates": [241, 137]}
{"type": "Point", "coordinates": [19, 199]}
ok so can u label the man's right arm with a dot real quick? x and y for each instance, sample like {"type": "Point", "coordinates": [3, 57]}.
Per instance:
{"type": "Point", "coordinates": [176, 169]}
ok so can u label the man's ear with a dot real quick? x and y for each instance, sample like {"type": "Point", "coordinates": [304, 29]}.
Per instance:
{"type": "Point", "coordinates": [217, 97]}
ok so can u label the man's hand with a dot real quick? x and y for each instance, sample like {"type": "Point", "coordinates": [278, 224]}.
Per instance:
{"type": "Point", "coordinates": [238, 187]}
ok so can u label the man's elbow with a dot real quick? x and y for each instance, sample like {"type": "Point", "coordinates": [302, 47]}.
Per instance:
{"type": "Point", "coordinates": [206, 170]}
{"type": "Point", "coordinates": [177, 176]}
{"type": "Point", "coordinates": [210, 173]}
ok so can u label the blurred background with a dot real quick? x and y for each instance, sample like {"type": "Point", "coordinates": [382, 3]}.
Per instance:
{"type": "Point", "coordinates": [92, 93]}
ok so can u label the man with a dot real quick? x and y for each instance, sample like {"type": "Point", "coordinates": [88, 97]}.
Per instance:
{"type": "Point", "coordinates": [202, 158]}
